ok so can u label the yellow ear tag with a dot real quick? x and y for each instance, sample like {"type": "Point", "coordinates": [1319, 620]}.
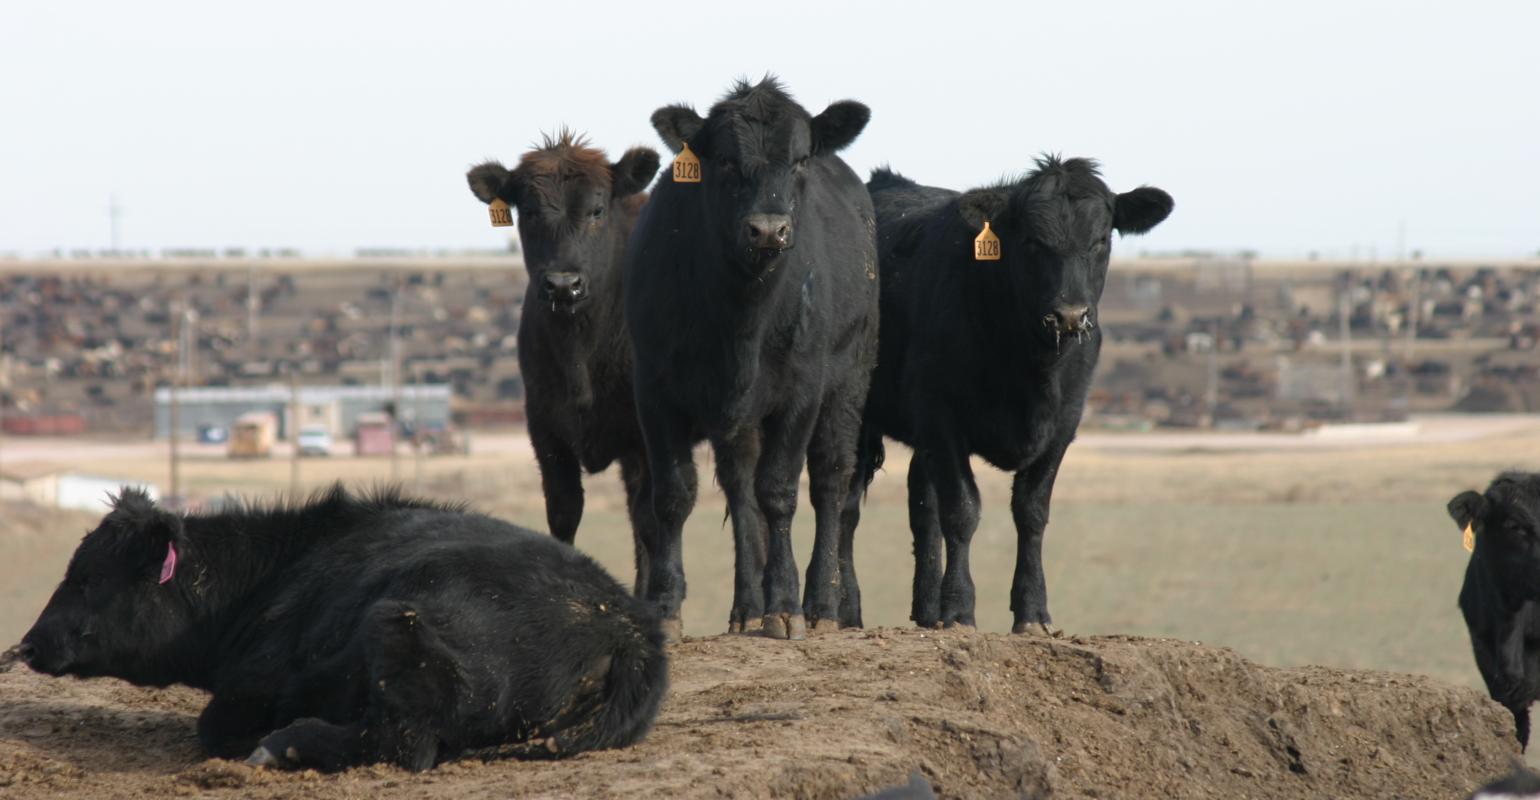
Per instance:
{"type": "Point", "coordinates": [986, 246]}
{"type": "Point", "coordinates": [502, 215]}
{"type": "Point", "coordinates": [686, 167]}
{"type": "Point", "coordinates": [1469, 539]}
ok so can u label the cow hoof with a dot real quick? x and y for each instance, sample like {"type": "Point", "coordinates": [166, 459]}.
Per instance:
{"type": "Point", "coordinates": [750, 625]}
{"type": "Point", "coordinates": [262, 757]}
{"type": "Point", "coordinates": [826, 626]}
{"type": "Point", "coordinates": [786, 626]}
{"type": "Point", "coordinates": [673, 630]}
{"type": "Point", "coordinates": [961, 627]}
{"type": "Point", "coordinates": [1037, 629]}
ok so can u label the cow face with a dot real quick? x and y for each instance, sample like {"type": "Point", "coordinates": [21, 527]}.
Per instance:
{"type": "Point", "coordinates": [1506, 523]}
{"type": "Point", "coordinates": [756, 148]}
{"type": "Point", "coordinates": [121, 603]}
{"type": "Point", "coordinates": [571, 203]}
{"type": "Point", "coordinates": [1056, 227]}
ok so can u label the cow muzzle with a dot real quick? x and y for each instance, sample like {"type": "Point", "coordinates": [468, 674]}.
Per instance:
{"type": "Point", "coordinates": [768, 232]}
{"type": "Point", "coordinates": [1069, 320]}
{"type": "Point", "coordinates": [564, 290]}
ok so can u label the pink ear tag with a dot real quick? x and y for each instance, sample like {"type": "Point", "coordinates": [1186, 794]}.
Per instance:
{"type": "Point", "coordinates": [168, 567]}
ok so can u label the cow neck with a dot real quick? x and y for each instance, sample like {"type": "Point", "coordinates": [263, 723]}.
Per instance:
{"type": "Point", "coordinates": [235, 557]}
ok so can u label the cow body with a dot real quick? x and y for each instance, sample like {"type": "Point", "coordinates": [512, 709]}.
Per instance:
{"type": "Point", "coordinates": [575, 213]}
{"type": "Point", "coordinates": [348, 630]}
{"type": "Point", "coordinates": [752, 305]}
{"type": "Point", "coordinates": [988, 358]}
{"type": "Point", "coordinates": [1500, 598]}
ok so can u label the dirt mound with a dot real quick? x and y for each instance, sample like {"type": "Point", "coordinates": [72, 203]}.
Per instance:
{"type": "Point", "coordinates": [981, 715]}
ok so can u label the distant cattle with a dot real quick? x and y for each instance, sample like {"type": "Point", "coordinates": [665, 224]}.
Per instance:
{"type": "Point", "coordinates": [576, 211]}
{"type": "Point", "coordinates": [988, 357]}
{"type": "Point", "coordinates": [350, 630]}
{"type": "Point", "coordinates": [1501, 595]}
{"type": "Point", "coordinates": [751, 297]}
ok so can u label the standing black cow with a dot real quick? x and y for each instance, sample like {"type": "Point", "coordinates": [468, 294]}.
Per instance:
{"type": "Point", "coordinates": [353, 630]}
{"type": "Point", "coordinates": [988, 358]}
{"type": "Point", "coordinates": [752, 302]}
{"type": "Point", "coordinates": [1501, 595]}
{"type": "Point", "coordinates": [576, 211]}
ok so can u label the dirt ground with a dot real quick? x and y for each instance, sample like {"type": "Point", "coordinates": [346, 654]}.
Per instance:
{"type": "Point", "coordinates": [1333, 565]}
{"type": "Point", "coordinates": [981, 715]}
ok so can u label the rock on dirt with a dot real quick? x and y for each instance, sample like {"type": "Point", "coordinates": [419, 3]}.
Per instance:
{"type": "Point", "coordinates": [840, 715]}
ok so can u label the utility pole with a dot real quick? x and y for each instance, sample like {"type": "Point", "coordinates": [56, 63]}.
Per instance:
{"type": "Point", "coordinates": [251, 308]}
{"type": "Point", "coordinates": [1344, 313]}
{"type": "Point", "coordinates": [293, 433]}
{"type": "Point", "coordinates": [179, 322]}
{"type": "Point", "coordinates": [395, 376]}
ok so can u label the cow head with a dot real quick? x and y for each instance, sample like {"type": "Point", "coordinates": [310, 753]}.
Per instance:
{"type": "Point", "coordinates": [1506, 522]}
{"type": "Point", "coordinates": [575, 210]}
{"type": "Point", "coordinates": [1055, 227]}
{"type": "Point", "coordinates": [756, 146]}
{"type": "Point", "coordinates": [122, 603]}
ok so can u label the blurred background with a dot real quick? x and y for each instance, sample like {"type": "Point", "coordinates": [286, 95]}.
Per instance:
{"type": "Point", "coordinates": [237, 255]}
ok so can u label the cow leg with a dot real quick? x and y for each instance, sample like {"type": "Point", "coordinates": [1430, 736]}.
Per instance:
{"type": "Point", "coordinates": [957, 505]}
{"type": "Point", "coordinates": [236, 718]}
{"type": "Point", "coordinates": [633, 475]}
{"type": "Point", "coordinates": [1031, 491]}
{"type": "Point", "coordinates": [831, 464]}
{"type": "Point", "coordinates": [671, 469]}
{"type": "Point", "coordinates": [1521, 724]}
{"type": "Point", "coordinates": [776, 482]}
{"type": "Point", "coordinates": [561, 477]}
{"type": "Point", "coordinates": [925, 525]}
{"type": "Point", "coordinates": [869, 456]}
{"type": "Point", "coordinates": [312, 743]}
{"type": "Point", "coordinates": [736, 459]}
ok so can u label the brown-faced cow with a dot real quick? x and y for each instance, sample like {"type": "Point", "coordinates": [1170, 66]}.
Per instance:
{"type": "Point", "coordinates": [575, 213]}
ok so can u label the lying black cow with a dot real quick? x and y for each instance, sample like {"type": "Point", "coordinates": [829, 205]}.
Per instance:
{"type": "Point", "coordinates": [989, 358]}
{"type": "Point", "coordinates": [1501, 595]}
{"type": "Point", "coordinates": [752, 302]}
{"type": "Point", "coordinates": [576, 211]}
{"type": "Point", "coordinates": [354, 630]}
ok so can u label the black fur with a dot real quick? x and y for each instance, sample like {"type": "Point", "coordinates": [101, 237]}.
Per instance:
{"type": "Point", "coordinates": [969, 365]}
{"type": "Point", "coordinates": [765, 353]}
{"type": "Point", "coordinates": [348, 630]}
{"type": "Point", "coordinates": [1500, 598]}
{"type": "Point", "coordinates": [575, 357]}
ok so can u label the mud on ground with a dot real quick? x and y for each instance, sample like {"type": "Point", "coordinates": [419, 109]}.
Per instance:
{"type": "Point", "coordinates": [981, 715]}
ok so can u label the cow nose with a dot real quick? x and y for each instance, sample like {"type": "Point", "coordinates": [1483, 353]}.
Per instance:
{"type": "Point", "coordinates": [1070, 319]}
{"type": "Point", "coordinates": [565, 286]}
{"type": "Point", "coordinates": [769, 231]}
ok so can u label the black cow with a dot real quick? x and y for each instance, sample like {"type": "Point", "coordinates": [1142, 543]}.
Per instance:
{"type": "Point", "coordinates": [1501, 594]}
{"type": "Point", "coordinates": [350, 630]}
{"type": "Point", "coordinates": [576, 211]}
{"type": "Point", "coordinates": [988, 358]}
{"type": "Point", "coordinates": [752, 302]}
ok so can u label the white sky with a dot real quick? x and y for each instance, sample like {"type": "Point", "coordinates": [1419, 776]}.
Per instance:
{"type": "Point", "coordinates": [1286, 127]}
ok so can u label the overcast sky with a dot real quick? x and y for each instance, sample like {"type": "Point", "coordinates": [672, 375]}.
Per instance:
{"type": "Point", "coordinates": [1285, 127]}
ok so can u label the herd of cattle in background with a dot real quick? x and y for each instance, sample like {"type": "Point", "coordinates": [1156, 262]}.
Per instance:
{"type": "Point", "coordinates": [761, 299]}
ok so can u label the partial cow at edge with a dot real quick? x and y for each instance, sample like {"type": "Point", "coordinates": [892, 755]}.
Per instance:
{"type": "Point", "coordinates": [988, 358]}
{"type": "Point", "coordinates": [350, 630]}
{"type": "Point", "coordinates": [576, 211]}
{"type": "Point", "coordinates": [1500, 598]}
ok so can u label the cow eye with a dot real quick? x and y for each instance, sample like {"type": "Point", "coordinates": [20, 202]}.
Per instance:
{"type": "Point", "coordinates": [597, 213]}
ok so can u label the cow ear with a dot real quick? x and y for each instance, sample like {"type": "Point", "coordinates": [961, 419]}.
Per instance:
{"type": "Point", "coordinates": [491, 181]}
{"type": "Point", "coordinates": [1141, 209]}
{"type": "Point", "coordinates": [838, 126]}
{"type": "Point", "coordinates": [983, 205]}
{"type": "Point", "coordinates": [676, 125]}
{"type": "Point", "coordinates": [1467, 507]}
{"type": "Point", "coordinates": [134, 511]}
{"type": "Point", "coordinates": [633, 171]}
